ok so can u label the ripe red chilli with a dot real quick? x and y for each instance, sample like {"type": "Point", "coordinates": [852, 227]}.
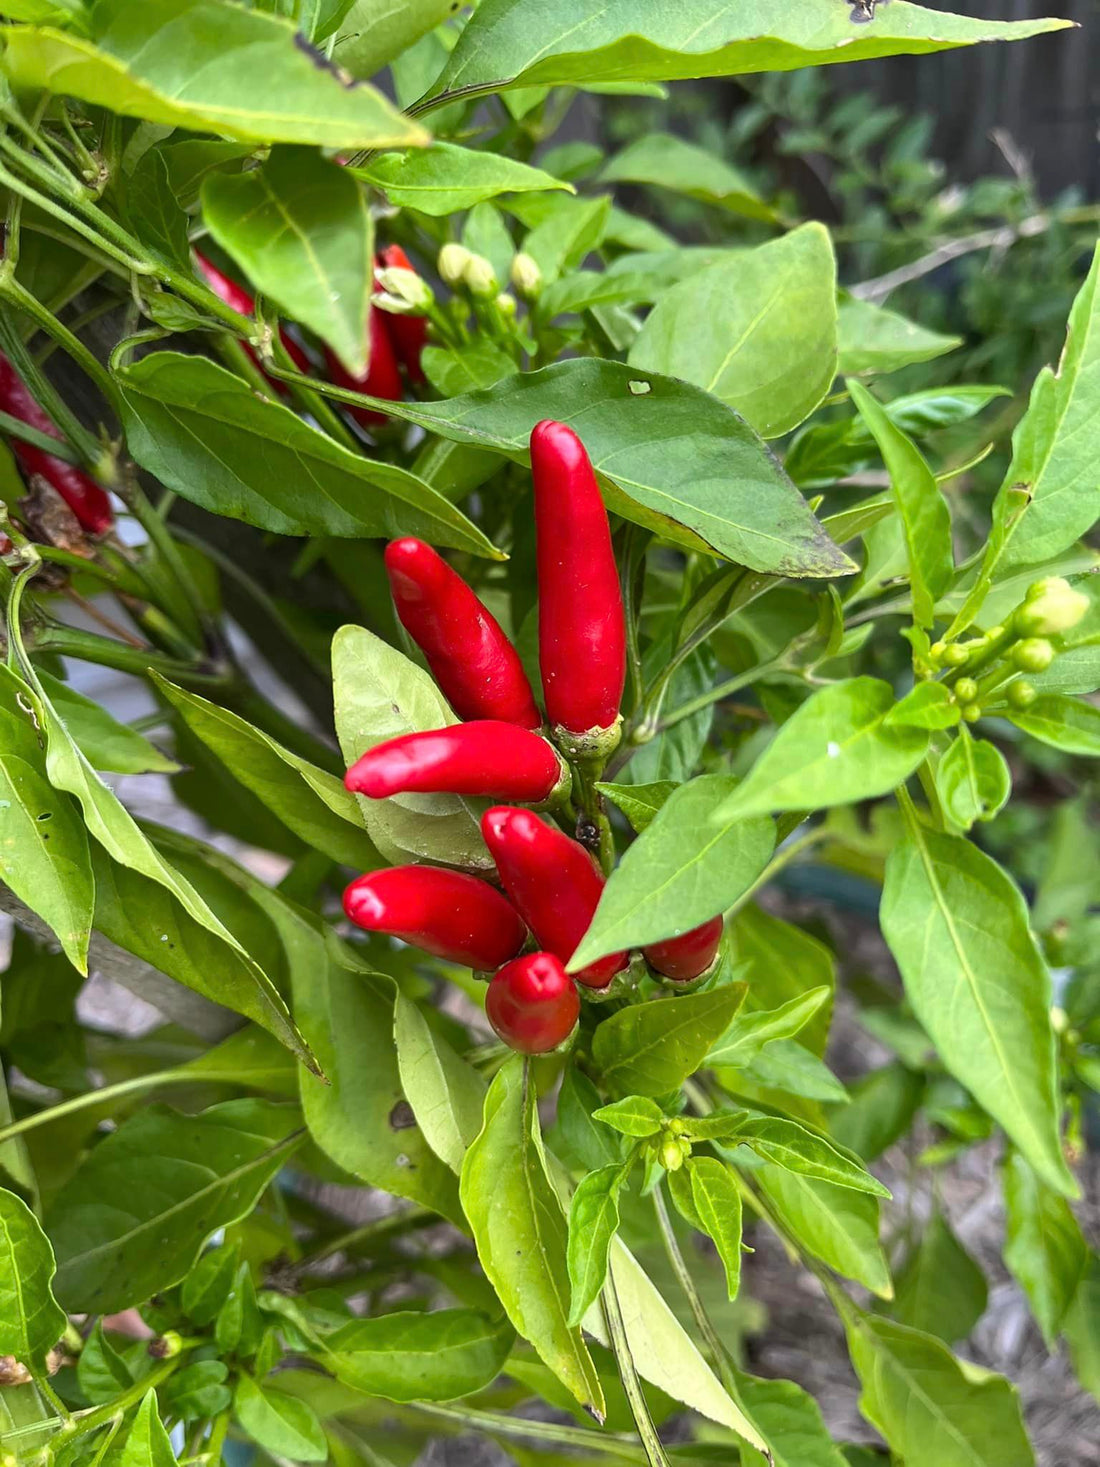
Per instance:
{"type": "Point", "coordinates": [487, 758]}
{"type": "Point", "coordinates": [236, 296]}
{"type": "Point", "coordinates": [409, 333]}
{"type": "Point", "coordinates": [553, 883]}
{"type": "Point", "coordinates": [382, 377]}
{"type": "Point", "coordinates": [447, 913]}
{"type": "Point", "coordinates": [88, 501]}
{"type": "Point", "coordinates": [532, 1003]}
{"type": "Point", "coordinates": [582, 632]}
{"type": "Point", "coordinates": [687, 956]}
{"type": "Point", "coordinates": [471, 659]}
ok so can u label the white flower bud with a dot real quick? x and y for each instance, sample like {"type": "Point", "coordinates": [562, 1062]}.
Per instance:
{"type": "Point", "coordinates": [526, 277]}
{"type": "Point", "coordinates": [451, 264]}
{"type": "Point", "coordinates": [480, 279]}
{"type": "Point", "coordinates": [1050, 607]}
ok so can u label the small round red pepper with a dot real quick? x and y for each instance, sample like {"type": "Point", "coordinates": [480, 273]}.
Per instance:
{"type": "Point", "coordinates": [553, 883]}
{"type": "Point", "coordinates": [409, 333]}
{"type": "Point", "coordinates": [241, 301]}
{"type": "Point", "coordinates": [88, 501]}
{"type": "Point", "coordinates": [687, 956]}
{"type": "Point", "coordinates": [447, 913]}
{"type": "Point", "coordinates": [488, 758]}
{"type": "Point", "coordinates": [582, 631]}
{"type": "Point", "coordinates": [471, 659]}
{"type": "Point", "coordinates": [532, 1003]}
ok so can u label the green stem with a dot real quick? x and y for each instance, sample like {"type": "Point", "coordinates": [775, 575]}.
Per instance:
{"type": "Point", "coordinates": [723, 690]}
{"type": "Point", "coordinates": [782, 858]}
{"type": "Point", "coordinates": [186, 608]}
{"type": "Point", "coordinates": [719, 1354]}
{"type": "Point", "coordinates": [106, 652]}
{"type": "Point", "coordinates": [216, 1441]}
{"type": "Point", "coordinates": [88, 447]}
{"type": "Point", "coordinates": [16, 428]}
{"type": "Point", "coordinates": [628, 1374]}
{"type": "Point", "coordinates": [493, 1423]}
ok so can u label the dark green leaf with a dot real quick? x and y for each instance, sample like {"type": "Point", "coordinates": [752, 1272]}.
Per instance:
{"type": "Point", "coordinates": [640, 803]}
{"type": "Point", "coordinates": [651, 1048]}
{"type": "Point", "coordinates": [670, 162]}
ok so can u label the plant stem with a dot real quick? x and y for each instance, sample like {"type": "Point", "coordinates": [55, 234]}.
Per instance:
{"type": "Point", "coordinates": [711, 1338]}
{"type": "Point", "coordinates": [493, 1423]}
{"type": "Point", "coordinates": [783, 857]}
{"type": "Point", "coordinates": [628, 1374]}
{"type": "Point", "coordinates": [723, 690]}
{"type": "Point", "coordinates": [106, 652]}
{"type": "Point", "coordinates": [16, 428]}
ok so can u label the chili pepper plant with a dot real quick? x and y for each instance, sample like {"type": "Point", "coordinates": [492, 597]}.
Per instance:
{"type": "Point", "coordinates": [445, 618]}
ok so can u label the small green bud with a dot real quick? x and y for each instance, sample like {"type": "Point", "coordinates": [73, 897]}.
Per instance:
{"type": "Point", "coordinates": [480, 279]}
{"type": "Point", "coordinates": [971, 712]}
{"type": "Point", "coordinates": [506, 305]}
{"type": "Point", "coordinates": [451, 264]}
{"type": "Point", "coordinates": [1033, 654]}
{"type": "Point", "coordinates": [403, 292]}
{"type": "Point", "coordinates": [956, 656]}
{"type": "Point", "coordinates": [1020, 694]}
{"type": "Point", "coordinates": [526, 277]}
{"type": "Point", "coordinates": [671, 1155]}
{"type": "Point", "coordinates": [166, 1346]}
{"type": "Point", "coordinates": [1050, 607]}
{"type": "Point", "coordinates": [936, 652]}
{"type": "Point", "coordinates": [675, 1127]}
{"type": "Point", "coordinates": [966, 690]}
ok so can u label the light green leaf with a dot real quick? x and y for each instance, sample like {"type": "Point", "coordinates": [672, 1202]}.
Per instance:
{"type": "Point", "coordinates": [650, 39]}
{"type": "Point", "coordinates": [939, 1288]}
{"type": "Point", "coordinates": [637, 1115]}
{"type": "Point", "coordinates": [787, 1144]}
{"type": "Point", "coordinates": [593, 1223]}
{"type": "Point", "coordinates": [419, 1357]}
{"type": "Point", "coordinates": [444, 178]}
{"type": "Point", "coordinates": [178, 63]}
{"type": "Point", "coordinates": [750, 1033]}
{"type": "Point", "coordinates": [670, 162]}
{"type": "Point", "coordinates": [931, 1409]}
{"type": "Point", "coordinates": [104, 742]}
{"type": "Point", "coordinates": [31, 1320]}
{"type": "Point", "coordinates": [133, 1216]}
{"type": "Point", "coordinates": [718, 1208]}
{"type": "Point", "coordinates": [684, 869]}
{"type": "Point", "coordinates": [640, 803]}
{"type": "Point", "coordinates": [520, 1231]}
{"type": "Point", "coordinates": [787, 1066]}
{"type": "Point", "coordinates": [379, 695]}
{"type": "Point", "coordinates": [1062, 722]}
{"type": "Point", "coordinates": [651, 1048]}
{"type": "Point", "coordinates": [958, 928]}
{"type": "Point", "coordinates": [973, 779]}
{"type": "Point", "coordinates": [873, 339]}
{"type": "Point", "coordinates": [455, 369]}
{"type": "Point", "coordinates": [669, 456]}
{"type": "Point", "coordinates": [375, 32]}
{"type": "Point", "coordinates": [1082, 1328]}
{"type": "Point", "coordinates": [758, 332]}
{"type": "Point", "coordinates": [571, 231]}
{"type": "Point", "coordinates": [928, 705]}
{"type": "Point", "coordinates": [310, 801]}
{"type": "Point", "coordinates": [300, 229]}
{"type": "Point", "coordinates": [204, 433]}
{"type": "Point", "coordinates": [924, 514]}
{"type": "Point", "coordinates": [147, 1442]}
{"type": "Point", "coordinates": [790, 1419]}
{"type": "Point", "coordinates": [832, 751]}
{"type": "Point", "coordinates": [1044, 1246]}
{"type": "Point", "coordinates": [835, 1224]}
{"type": "Point", "coordinates": [280, 1423]}
{"type": "Point", "coordinates": [447, 1095]}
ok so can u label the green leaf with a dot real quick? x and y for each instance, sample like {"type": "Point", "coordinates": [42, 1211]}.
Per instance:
{"type": "Point", "coordinates": [509, 42]}
{"type": "Point", "coordinates": [419, 1357]}
{"type": "Point", "coordinates": [520, 1231]}
{"type": "Point", "coordinates": [670, 457]}
{"type": "Point", "coordinates": [933, 1410]}
{"type": "Point", "coordinates": [1063, 723]}
{"type": "Point", "coordinates": [939, 1288]}
{"type": "Point", "coordinates": [311, 802]}
{"type": "Point", "coordinates": [131, 1219]}
{"type": "Point", "coordinates": [104, 742]}
{"type": "Point", "coordinates": [833, 750]}
{"type": "Point", "coordinates": [44, 856]}
{"type": "Point", "coordinates": [376, 32]}
{"type": "Point", "coordinates": [835, 1224]}
{"type": "Point", "coordinates": [873, 339]}
{"type": "Point", "coordinates": [718, 1207]}
{"type": "Point", "coordinates": [204, 433]}
{"type": "Point", "coordinates": [640, 803]}
{"type": "Point", "coordinates": [147, 1442]}
{"type": "Point", "coordinates": [781, 962]}
{"type": "Point", "coordinates": [973, 779]}
{"type": "Point", "coordinates": [879, 1112]}
{"type": "Point", "coordinates": [380, 694]}
{"type": "Point", "coordinates": [300, 229]}
{"type": "Point", "coordinates": [587, 1143]}
{"type": "Point", "coordinates": [280, 1423]}
{"type": "Point", "coordinates": [787, 1144]}
{"type": "Point", "coordinates": [750, 1033]}
{"type": "Point", "coordinates": [758, 331]}
{"type": "Point", "coordinates": [928, 705]}
{"type": "Point", "coordinates": [571, 230]}
{"type": "Point", "coordinates": [637, 1115]}
{"type": "Point", "coordinates": [651, 1048]}
{"type": "Point", "coordinates": [787, 1066]}
{"type": "Point", "coordinates": [790, 1420]}
{"type": "Point", "coordinates": [684, 869]}
{"type": "Point", "coordinates": [178, 63]}
{"type": "Point", "coordinates": [958, 929]}
{"type": "Point", "coordinates": [593, 1223]}
{"type": "Point", "coordinates": [31, 1320]}
{"type": "Point", "coordinates": [1082, 1328]}
{"type": "Point", "coordinates": [444, 178]}
{"type": "Point", "coordinates": [154, 213]}
{"type": "Point", "coordinates": [670, 162]}
{"type": "Point", "coordinates": [207, 1286]}
{"type": "Point", "coordinates": [1044, 1247]}
{"type": "Point", "coordinates": [455, 369]}
{"type": "Point", "coordinates": [923, 510]}
{"type": "Point", "coordinates": [447, 1095]}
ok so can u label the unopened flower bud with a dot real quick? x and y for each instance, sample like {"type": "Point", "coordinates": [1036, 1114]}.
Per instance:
{"type": "Point", "coordinates": [1020, 694]}
{"type": "Point", "coordinates": [671, 1154]}
{"type": "Point", "coordinates": [407, 292]}
{"type": "Point", "coordinates": [971, 712]}
{"type": "Point", "coordinates": [1033, 654]}
{"type": "Point", "coordinates": [506, 305]}
{"type": "Point", "coordinates": [526, 276]}
{"type": "Point", "coordinates": [966, 690]}
{"type": "Point", "coordinates": [956, 656]}
{"type": "Point", "coordinates": [1050, 607]}
{"type": "Point", "coordinates": [480, 279]}
{"type": "Point", "coordinates": [166, 1346]}
{"type": "Point", "coordinates": [451, 264]}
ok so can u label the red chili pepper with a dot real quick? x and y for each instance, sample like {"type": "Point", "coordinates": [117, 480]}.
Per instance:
{"type": "Point", "coordinates": [236, 296]}
{"type": "Point", "coordinates": [447, 913]}
{"type": "Point", "coordinates": [688, 955]}
{"type": "Point", "coordinates": [489, 758]}
{"type": "Point", "coordinates": [553, 883]}
{"type": "Point", "coordinates": [471, 659]}
{"type": "Point", "coordinates": [382, 377]}
{"type": "Point", "coordinates": [582, 632]}
{"type": "Point", "coordinates": [532, 1003]}
{"type": "Point", "coordinates": [89, 503]}
{"type": "Point", "coordinates": [409, 333]}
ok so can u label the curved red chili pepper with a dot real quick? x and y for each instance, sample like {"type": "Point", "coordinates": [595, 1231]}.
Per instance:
{"type": "Point", "coordinates": [488, 758]}
{"type": "Point", "coordinates": [553, 883]}
{"type": "Point", "coordinates": [582, 632]}
{"type": "Point", "coordinates": [88, 501]}
{"type": "Point", "coordinates": [382, 377]}
{"type": "Point", "coordinates": [236, 296]}
{"type": "Point", "coordinates": [471, 659]}
{"type": "Point", "coordinates": [687, 956]}
{"type": "Point", "coordinates": [532, 1003]}
{"type": "Point", "coordinates": [409, 333]}
{"type": "Point", "coordinates": [447, 913]}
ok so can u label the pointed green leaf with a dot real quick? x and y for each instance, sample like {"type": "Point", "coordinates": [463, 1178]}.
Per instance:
{"type": "Point", "coordinates": [447, 1095]}
{"type": "Point", "coordinates": [718, 1208]}
{"type": "Point", "coordinates": [1069, 724]}
{"type": "Point", "coordinates": [973, 779]}
{"type": "Point", "coordinates": [1044, 1246]}
{"type": "Point", "coordinates": [939, 1288]}
{"type": "Point", "coordinates": [593, 1222]}
{"type": "Point", "coordinates": [637, 1116]}
{"type": "Point", "coordinates": [750, 1033]}
{"type": "Point", "coordinates": [652, 1048]}
{"type": "Point", "coordinates": [444, 178]}
{"type": "Point", "coordinates": [31, 1320]}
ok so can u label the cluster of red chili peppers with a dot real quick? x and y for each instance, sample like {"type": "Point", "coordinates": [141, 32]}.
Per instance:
{"type": "Point", "coordinates": [551, 883]}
